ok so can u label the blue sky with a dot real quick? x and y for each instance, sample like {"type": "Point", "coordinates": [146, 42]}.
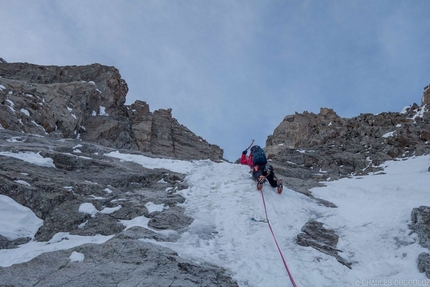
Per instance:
{"type": "Point", "coordinates": [232, 70]}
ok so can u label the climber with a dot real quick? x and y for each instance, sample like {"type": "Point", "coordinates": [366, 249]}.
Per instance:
{"type": "Point", "coordinates": [261, 170]}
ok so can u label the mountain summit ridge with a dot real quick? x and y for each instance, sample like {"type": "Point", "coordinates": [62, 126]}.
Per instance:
{"type": "Point", "coordinates": [88, 102]}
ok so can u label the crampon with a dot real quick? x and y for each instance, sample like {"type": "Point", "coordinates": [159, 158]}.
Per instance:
{"type": "Point", "coordinates": [260, 182]}
{"type": "Point", "coordinates": [280, 186]}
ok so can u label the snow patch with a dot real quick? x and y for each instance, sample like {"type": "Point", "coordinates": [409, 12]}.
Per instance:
{"type": "Point", "coordinates": [405, 110]}
{"type": "Point", "coordinates": [60, 241]}
{"type": "Point", "coordinates": [109, 210]}
{"type": "Point", "coordinates": [15, 139]}
{"type": "Point", "coordinates": [31, 157]}
{"type": "Point", "coordinates": [180, 166]}
{"type": "Point", "coordinates": [88, 208]}
{"type": "Point", "coordinates": [76, 148]}
{"type": "Point", "coordinates": [23, 182]}
{"type": "Point", "coordinates": [76, 257]}
{"type": "Point", "coordinates": [107, 190]}
{"type": "Point", "coordinates": [141, 221]}
{"type": "Point", "coordinates": [152, 207]}
{"type": "Point", "coordinates": [17, 220]}
{"type": "Point", "coordinates": [11, 105]}
{"type": "Point", "coordinates": [25, 112]}
{"type": "Point", "coordinates": [37, 125]}
{"type": "Point", "coordinates": [390, 134]}
{"type": "Point", "coordinates": [103, 111]}
{"type": "Point", "coordinates": [97, 197]}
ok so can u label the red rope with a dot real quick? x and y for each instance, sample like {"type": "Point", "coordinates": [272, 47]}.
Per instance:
{"type": "Point", "coordinates": [277, 245]}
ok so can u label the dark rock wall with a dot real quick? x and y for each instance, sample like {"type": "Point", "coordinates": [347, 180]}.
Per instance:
{"type": "Point", "coordinates": [87, 102]}
{"type": "Point", "coordinates": [341, 146]}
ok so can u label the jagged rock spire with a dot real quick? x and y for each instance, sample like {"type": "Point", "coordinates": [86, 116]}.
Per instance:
{"type": "Point", "coordinates": [426, 96]}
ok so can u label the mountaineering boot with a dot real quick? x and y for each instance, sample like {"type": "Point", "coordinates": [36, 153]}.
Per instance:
{"type": "Point", "coordinates": [280, 186]}
{"type": "Point", "coordinates": [260, 182]}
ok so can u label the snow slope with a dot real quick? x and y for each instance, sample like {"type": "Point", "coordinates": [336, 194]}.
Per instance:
{"type": "Point", "coordinates": [371, 219]}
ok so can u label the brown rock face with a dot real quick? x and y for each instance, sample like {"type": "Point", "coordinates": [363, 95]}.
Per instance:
{"type": "Point", "coordinates": [331, 146]}
{"type": "Point", "coordinates": [299, 130]}
{"type": "Point", "coordinates": [87, 102]}
{"type": "Point", "coordinates": [426, 96]}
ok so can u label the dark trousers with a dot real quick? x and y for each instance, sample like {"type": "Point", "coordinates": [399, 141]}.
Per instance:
{"type": "Point", "coordinates": [267, 171]}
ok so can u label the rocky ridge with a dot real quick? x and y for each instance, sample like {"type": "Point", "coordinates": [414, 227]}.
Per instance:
{"type": "Point", "coordinates": [331, 147]}
{"type": "Point", "coordinates": [87, 102]}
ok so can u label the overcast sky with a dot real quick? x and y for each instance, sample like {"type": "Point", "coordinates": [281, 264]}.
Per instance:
{"type": "Point", "coordinates": [232, 70]}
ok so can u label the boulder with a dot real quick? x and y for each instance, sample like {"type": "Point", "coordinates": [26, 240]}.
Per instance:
{"type": "Point", "coordinates": [420, 224]}
{"type": "Point", "coordinates": [424, 263]}
{"type": "Point", "coordinates": [322, 239]}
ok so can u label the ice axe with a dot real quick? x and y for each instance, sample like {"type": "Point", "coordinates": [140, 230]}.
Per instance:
{"type": "Point", "coordinates": [246, 151]}
{"type": "Point", "coordinates": [250, 145]}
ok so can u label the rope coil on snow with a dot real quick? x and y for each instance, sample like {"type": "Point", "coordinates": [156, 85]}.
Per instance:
{"type": "Point", "coordinates": [277, 245]}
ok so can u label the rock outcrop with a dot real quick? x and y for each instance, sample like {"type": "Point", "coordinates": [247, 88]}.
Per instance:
{"type": "Point", "coordinates": [116, 263]}
{"type": "Point", "coordinates": [83, 172]}
{"type": "Point", "coordinates": [420, 224]}
{"type": "Point", "coordinates": [315, 235]}
{"type": "Point", "coordinates": [424, 263]}
{"type": "Point", "coordinates": [87, 102]}
{"type": "Point", "coordinates": [426, 96]}
{"type": "Point", "coordinates": [330, 147]}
